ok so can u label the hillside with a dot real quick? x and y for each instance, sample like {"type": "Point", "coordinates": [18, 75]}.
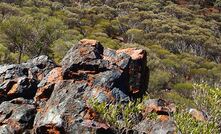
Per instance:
{"type": "Point", "coordinates": [182, 40]}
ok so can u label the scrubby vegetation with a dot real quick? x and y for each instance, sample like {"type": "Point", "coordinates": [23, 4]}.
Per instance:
{"type": "Point", "coordinates": [182, 39]}
{"type": "Point", "coordinates": [207, 99]}
{"type": "Point", "coordinates": [120, 115]}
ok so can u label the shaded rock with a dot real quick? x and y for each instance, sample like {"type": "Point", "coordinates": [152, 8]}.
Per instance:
{"type": "Point", "coordinates": [4, 88]}
{"type": "Point", "coordinates": [138, 71]}
{"type": "Point", "coordinates": [20, 80]}
{"type": "Point", "coordinates": [16, 117]}
{"type": "Point", "coordinates": [25, 87]}
{"type": "Point", "coordinates": [114, 83]}
{"type": "Point", "coordinates": [198, 115]}
{"type": "Point", "coordinates": [21, 87]}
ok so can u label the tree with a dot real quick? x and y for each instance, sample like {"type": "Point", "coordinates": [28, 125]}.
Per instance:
{"type": "Point", "coordinates": [47, 31]}
{"type": "Point", "coordinates": [3, 52]}
{"type": "Point", "coordinates": [134, 35]}
{"type": "Point", "coordinates": [19, 33]}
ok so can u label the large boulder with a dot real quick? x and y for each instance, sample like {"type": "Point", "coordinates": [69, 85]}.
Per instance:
{"type": "Point", "coordinates": [114, 74]}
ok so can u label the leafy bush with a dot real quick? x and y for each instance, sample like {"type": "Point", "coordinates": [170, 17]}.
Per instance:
{"type": "Point", "coordinates": [121, 115]}
{"type": "Point", "coordinates": [188, 125]}
{"type": "Point", "coordinates": [184, 89]}
{"type": "Point", "coordinates": [208, 99]}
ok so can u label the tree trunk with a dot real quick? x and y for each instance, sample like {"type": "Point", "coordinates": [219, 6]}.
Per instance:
{"type": "Point", "coordinates": [21, 48]}
{"type": "Point", "coordinates": [19, 57]}
{"type": "Point", "coordinates": [39, 52]}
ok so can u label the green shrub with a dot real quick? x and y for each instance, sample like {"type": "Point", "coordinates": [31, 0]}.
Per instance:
{"type": "Point", "coordinates": [189, 125]}
{"type": "Point", "coordinates": [158, 79]}
{"type": "Point", "coordinates": [120, 115]}
{"type": "Point", "coordinates": [208, 99]}
{"type": "Point", "coordinates": [184, 89]}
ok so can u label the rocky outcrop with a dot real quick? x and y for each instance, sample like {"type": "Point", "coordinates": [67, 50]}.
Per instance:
{"type": "Point", "coordinates": [22, 80]}
{"type": "Point", "coordinates": [41, 97]}
{"type": "Point", "coordinates": [16, 116]}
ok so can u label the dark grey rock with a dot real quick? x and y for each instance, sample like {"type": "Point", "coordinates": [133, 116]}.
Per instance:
{"type": "Point", "coordinates": [62, 111]}
{"type": "Point", "coordinates": [16, 117]}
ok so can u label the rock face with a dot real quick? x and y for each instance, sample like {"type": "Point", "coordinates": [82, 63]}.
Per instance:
{"type": "Point", "coordinates": [21, 80]}
{"type": "Point", "coordinates": [41, 97]}
{"type": "Point", "coordinates": [16, 116]}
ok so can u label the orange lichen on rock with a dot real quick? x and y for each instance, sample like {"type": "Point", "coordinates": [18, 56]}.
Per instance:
{"type": "Point", "coordinates": [163, 117]}
{"type": "Point", "coordinates": [198, 115]}
{"type": "Point", "coordinates": [40, 76]}
{"type": "Point", "coordinates": [152, 108]}
{"type": "Point", "coordinates": [13, 89]}
{"type": "Point", "coordinates": [133, 52]}
{"type": "Point", "coordinates": [50, 129]}
{"type": "Point", "coordinates": [88, 42]}
{"type": "Point", "coordinates": [90, 114]}
{"type": "Point", "coordinates": [41, 93]}
{"type": "Point", "coordinates": [55, 75]}
{"type": "Point", "coordinates": [13, 124]}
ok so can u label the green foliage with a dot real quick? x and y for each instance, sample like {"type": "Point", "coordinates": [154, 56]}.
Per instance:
{"type": "Point", "coordinates": [19, 33]}
{"type": "Point", "coordinates": [159, 79]}
{"type": "Point", "coordinates": [60, 48]}
{"type": "Point", "coordinates": [184, 89]}
{"type": "Point", "coordinates": [208, 100]}
{"type": "Point", "coordinates": [175, 97]}
{"type": "Point", "coordinates": [134, 35]}
{"type": "Point", "coordinates": [3, 53]}
{"type": "Point", "coordinates": [189, 125]}
{"type": "Point", "coordinates": [120, 115]}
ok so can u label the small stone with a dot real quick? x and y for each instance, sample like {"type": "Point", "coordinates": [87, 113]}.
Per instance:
{"type": "Point", "coordinates": [198, 115]}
